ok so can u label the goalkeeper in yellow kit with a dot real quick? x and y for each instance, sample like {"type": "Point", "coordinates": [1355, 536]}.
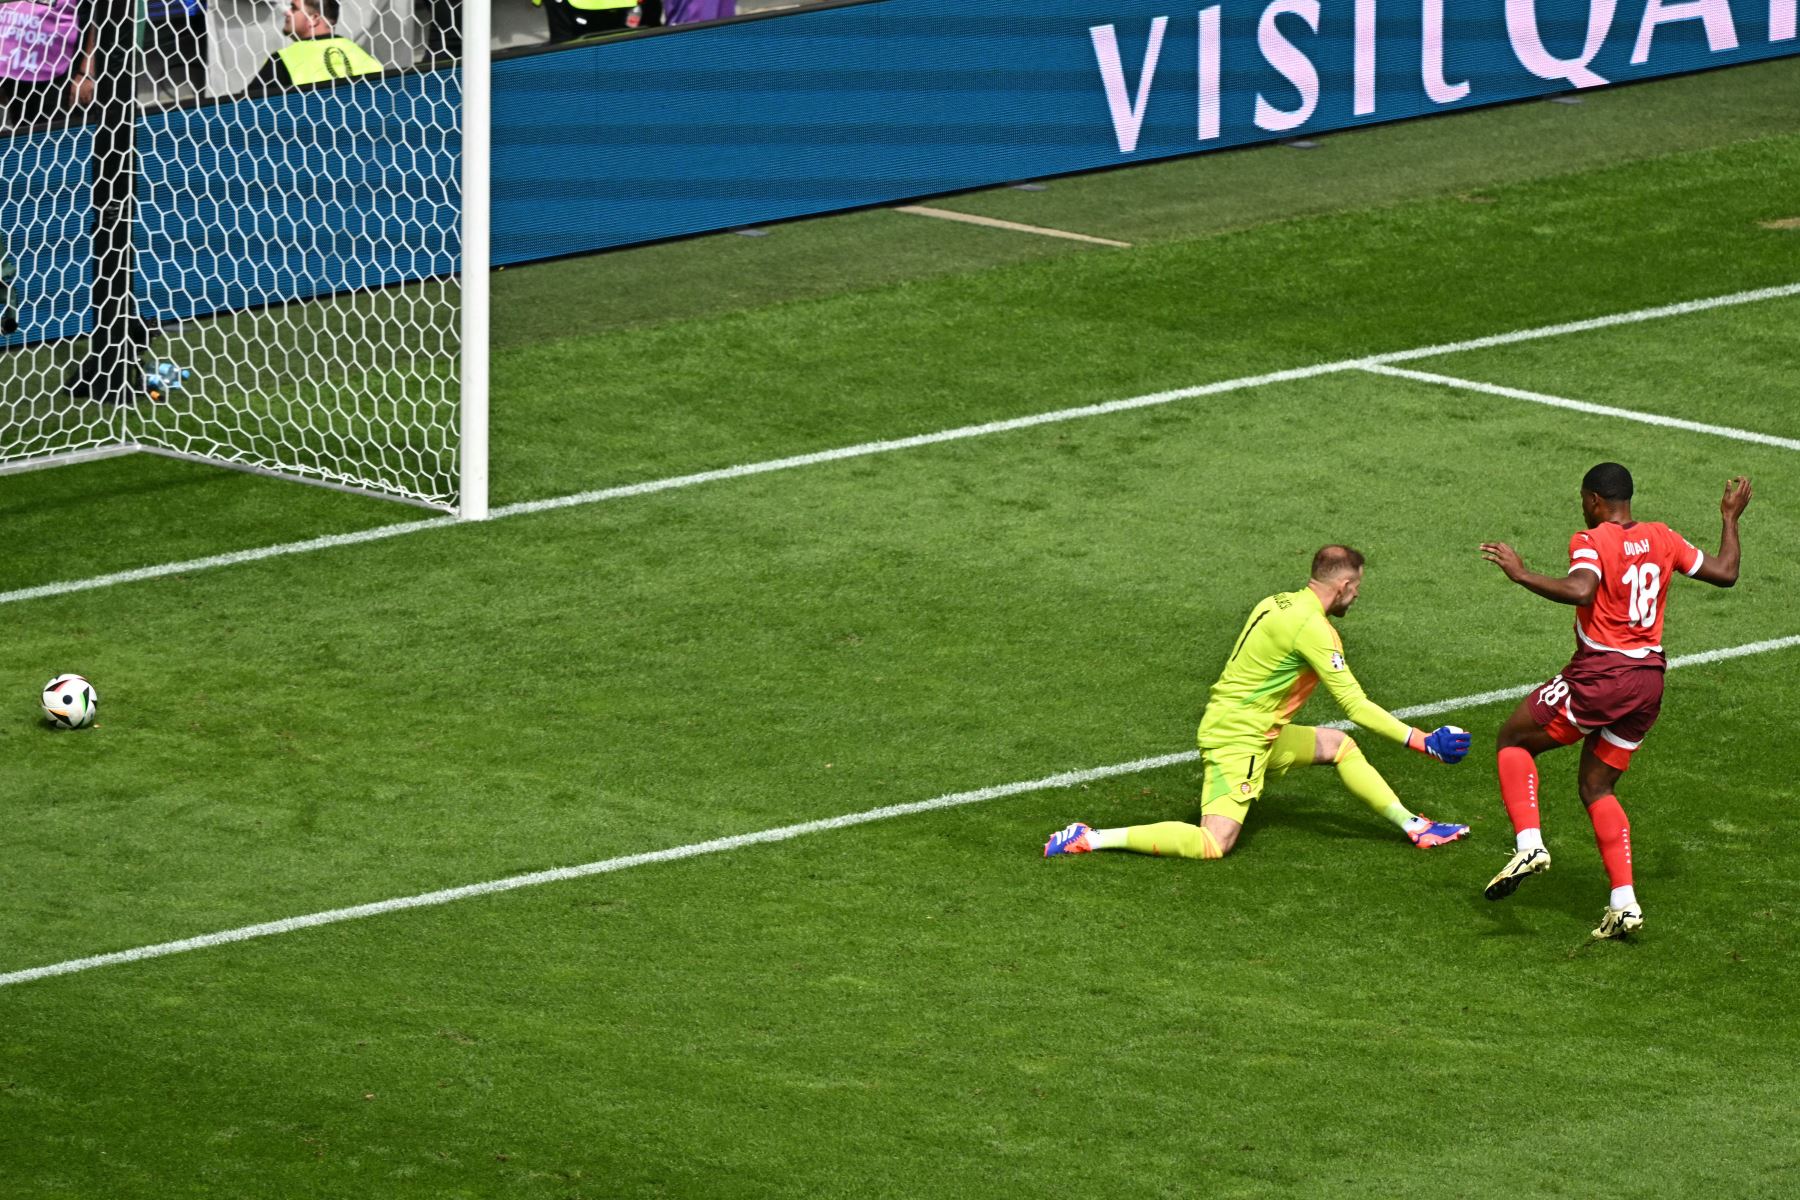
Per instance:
{"type": "Point", "coordinates": [1287, 646]}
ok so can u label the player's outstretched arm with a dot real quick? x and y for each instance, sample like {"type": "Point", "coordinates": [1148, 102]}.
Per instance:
{"type": "Point", "coordinates": [1578, 587]}
{"type": "Point", "coordinates": [1323, 652]}
{"type": "Point", "coordinates": [1721, 569]}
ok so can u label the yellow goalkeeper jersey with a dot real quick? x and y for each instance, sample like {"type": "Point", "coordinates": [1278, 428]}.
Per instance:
{"type": "Point", "coordinates": [1286, 647]}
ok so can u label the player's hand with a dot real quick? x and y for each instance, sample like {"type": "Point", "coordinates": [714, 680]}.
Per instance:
{"type": "Point", "coordinates": [1504, 557]}
{"type": "Point", "coordinates": [1737, 498]}
{"type": "Point", "coordinates": [1447, 744]}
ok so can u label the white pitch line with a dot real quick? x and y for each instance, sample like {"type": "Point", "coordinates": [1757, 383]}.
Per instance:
{"type": "Point", "coordinates": [602, 867]}
{"type": "Point", "coordinates": [649, 487]}
{"type": "Point", "coordinates": [382, 532]}
{"type": "Point", "coordinates": [945, 214]}
{"type": "Point", "coordinates": [781, 834]}
{"type": "Point", "coordinates": [888, 446]}
{"type": "Point", "coordinates": [1685, 308]}
{"type": "Point", "coordinates": [230, 559]}
{"type": "Point", "coordinates": [1582, 406]}
{"type": "Point", "coordinates": [1697, 659]}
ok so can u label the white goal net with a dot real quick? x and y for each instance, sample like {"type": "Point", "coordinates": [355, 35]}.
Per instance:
{"type": "Point", "coordinates": [233, 233]}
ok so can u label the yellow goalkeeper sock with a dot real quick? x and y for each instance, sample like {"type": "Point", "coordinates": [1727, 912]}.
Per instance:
{"type": "Point", "coordinates": [1367, 785]}
{"type": "Point", "coordinates": [1172, 838]}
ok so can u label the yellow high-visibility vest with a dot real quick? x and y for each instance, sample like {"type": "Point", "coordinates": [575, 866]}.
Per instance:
{"type": "Point", "coordinates": [320, 60]}
{"type": "Point", "coordinates": [594, 5]}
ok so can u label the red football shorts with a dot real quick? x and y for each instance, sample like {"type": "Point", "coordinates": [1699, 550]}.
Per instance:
{"type": "Point", "coordinates": [1609, 699]}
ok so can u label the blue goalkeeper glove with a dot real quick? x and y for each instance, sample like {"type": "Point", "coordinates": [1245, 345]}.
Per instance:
{"type": "Point", "coordinates": [1447, 744]}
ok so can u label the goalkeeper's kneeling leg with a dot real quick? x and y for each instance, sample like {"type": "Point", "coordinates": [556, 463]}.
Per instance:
{"type": "Point", "coordinates": [1367, 785]}
{"type": "Point", "coordinates": [1177, 839]}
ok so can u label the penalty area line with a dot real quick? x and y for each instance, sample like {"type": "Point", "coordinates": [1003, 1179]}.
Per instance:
{"type": "Point", "coordinates": [602, 867]}
{"type": "Point", "coordinates": [888, 446]}
{"type": "Point", "coordinates": [1583, 406]}
{"type": "Point", "coordinates": [1682, 309]}
{"type": "Point", "coordinates": [782, 833]}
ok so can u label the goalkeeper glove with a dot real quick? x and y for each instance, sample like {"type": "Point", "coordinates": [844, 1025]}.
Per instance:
{"type": "Point", "coordinates": [1446, 743]}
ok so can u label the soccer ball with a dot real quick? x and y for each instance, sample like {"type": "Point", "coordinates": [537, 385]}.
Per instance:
{"type": "Point", "coordinates": [70, 701]}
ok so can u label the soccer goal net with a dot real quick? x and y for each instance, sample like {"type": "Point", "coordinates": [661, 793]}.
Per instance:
{"type": "Point", "coordinates": [235, 232]}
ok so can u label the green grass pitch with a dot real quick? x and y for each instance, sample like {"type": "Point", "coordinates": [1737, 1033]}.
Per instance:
{"type": "Point", "coordinates": [923, 1006]}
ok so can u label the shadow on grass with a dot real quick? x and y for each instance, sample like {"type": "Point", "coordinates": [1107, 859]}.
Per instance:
{"type": "Point", "coordinates": [75, 491]}
{"type": "Point", "coordinates": [1354, 824]}
{"type": "Point", "coordinates": [1562, 893]}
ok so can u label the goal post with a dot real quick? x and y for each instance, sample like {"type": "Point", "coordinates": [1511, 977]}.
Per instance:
{"type": "Point", "coordinates": [251, 245]}
{"type": "Point", "coordinates": [477, 106]}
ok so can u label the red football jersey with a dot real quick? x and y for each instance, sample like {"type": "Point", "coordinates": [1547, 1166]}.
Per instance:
{"type": "Point", "coordinates": [1635, 563]}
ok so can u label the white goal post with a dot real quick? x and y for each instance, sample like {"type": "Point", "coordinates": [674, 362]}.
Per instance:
{"type": "Point", "coordinates": [477, 105]}
{"type": "Point", "coordinates": [229, 233]}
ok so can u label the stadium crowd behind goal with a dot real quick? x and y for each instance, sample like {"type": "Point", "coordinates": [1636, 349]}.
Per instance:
{"type": "Point", "coordinates": [212, 49]}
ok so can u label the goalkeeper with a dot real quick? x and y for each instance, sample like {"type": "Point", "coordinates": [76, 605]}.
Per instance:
{"type": "Point", "coordinates": [1287, 646]}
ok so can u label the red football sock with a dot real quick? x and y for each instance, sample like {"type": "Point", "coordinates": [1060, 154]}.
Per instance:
{"type": "Point", "coordinates": [1518, 787]}
{"type": "Point", "coordinates": [1613, 834]}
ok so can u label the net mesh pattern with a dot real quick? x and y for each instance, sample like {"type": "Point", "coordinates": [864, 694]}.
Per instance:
{"type": "Point", "coordinates": [291, 246]}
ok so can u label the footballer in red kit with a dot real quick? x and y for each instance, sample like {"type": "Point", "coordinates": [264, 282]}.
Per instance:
{"type": "Point", "coordinates": [1609, 695]}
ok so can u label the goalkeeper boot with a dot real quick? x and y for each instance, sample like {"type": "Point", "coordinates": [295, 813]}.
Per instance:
{"type": "Point", "coordinates": [1524, 864]}
{"type": "Point", "coordinates": [1071, 839]}
{"type": "Point", "coordinates": [1617, 922]}
{"type": "Point", "coordinates": [1435, 833]}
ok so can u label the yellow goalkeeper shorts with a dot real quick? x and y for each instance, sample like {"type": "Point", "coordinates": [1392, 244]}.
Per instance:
{"type": "Point", "coordinates": [1232, 776]}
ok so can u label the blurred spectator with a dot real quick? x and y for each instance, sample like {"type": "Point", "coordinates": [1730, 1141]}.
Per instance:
{"type": "Point", "coordinates": [43, 69]}
{"type": "Point", "coordinates": [686, 12]}
{"type": "Point", "coordinates": [9, 301]}
{"type": "Point", "coordinates": [443, 28]}
{"type": "Point", "coordinates": [571, 19]}
{"type": "Point", "coordinates": [317, 54]}
{"type": "Point", "coordinates": [179, 30]}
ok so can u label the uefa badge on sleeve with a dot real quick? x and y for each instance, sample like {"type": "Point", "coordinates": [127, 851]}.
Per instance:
{"type": "Point", "coordinates": [1337, 661]}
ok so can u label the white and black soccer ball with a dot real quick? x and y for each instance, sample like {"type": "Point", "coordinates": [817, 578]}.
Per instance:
{"type": "Point", "coordinates": [70, 701]}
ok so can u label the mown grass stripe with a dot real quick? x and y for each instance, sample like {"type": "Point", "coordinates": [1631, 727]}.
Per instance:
{"type": "Point", "coordinates": [762, 837]}
{"type": "Point", "coordinates": [886, 446]}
